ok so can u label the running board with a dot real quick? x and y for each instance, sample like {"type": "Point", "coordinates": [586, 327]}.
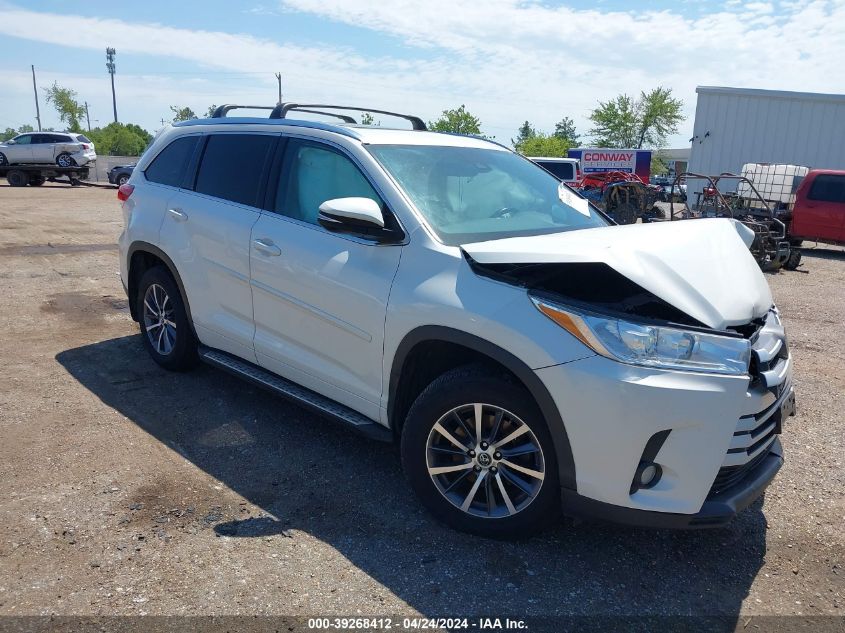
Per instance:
{"type": "Point", "coordinates": [300, 395]}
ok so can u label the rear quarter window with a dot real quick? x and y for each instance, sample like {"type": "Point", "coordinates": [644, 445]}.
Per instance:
{"type": "Point", "coordinates": [564, 171]}
{"type": "Point", "coordinates": [232, 167]}
{"type": "Point", "coordinates": [168, 168]}
{"type": "Point", "coordinates": [828, 188]}
{"type": "Point", "coordinates": [82, 138]}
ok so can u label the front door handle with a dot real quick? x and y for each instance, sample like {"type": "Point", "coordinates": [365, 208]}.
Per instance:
{"type": "Point", "coordinates": [178, 214]}
{"type": "Point", "coordinates": [267, 247]}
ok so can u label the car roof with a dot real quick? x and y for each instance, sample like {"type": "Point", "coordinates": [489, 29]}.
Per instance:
{"type": "Point", "coordinates": [367, 134]}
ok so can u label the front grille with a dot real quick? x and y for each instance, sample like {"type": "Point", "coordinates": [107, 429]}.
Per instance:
{"type": "Point", "coordinates": [769, 385]}
{"type": "Point", "coordinates": [730, 475]}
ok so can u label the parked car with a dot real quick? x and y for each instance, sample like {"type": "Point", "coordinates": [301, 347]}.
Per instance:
{"type": "Point", "coordinates": [565, 169]}
{"type": "Point", "coordinates": [444, 293]}
{"type": "Point", "coordinates": [64, 149]}
{"type": "Point", "coordinates": [119, 174]}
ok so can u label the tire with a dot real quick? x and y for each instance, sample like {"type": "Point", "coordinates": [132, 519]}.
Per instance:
{"type": "Point", "coordinates": [65, 160]}
{"type": "Point", "coordinates": [624, 214]}
{"type": "Point", "coordinates": [794, 260]}
{"type": "Point", "coordinates": [170, 341]}
{"type": "Point", "coordinates": [3, 159]}
{"type": "Point", "coordinates": [122, 179]}
{"type": "Point", "coordinates": [17, 178]}
{"type": "Point", "coordinates": [487, 513]}
{"type": "Point", "coordinates": [37, 181]}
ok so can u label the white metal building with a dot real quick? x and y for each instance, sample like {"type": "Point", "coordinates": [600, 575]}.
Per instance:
{"type": "Point", "coordinates": [735, 126]}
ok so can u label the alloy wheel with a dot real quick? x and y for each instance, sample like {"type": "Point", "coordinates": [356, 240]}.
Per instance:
{"type": "Point", "coordinates": [64, 160]}
{"type": "Point", "coordinates": [485, 460]}
{"type": "Point", "coordinates": [159, 319]}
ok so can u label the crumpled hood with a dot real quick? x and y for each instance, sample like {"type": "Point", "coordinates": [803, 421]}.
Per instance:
{"type": "Point", "coordinates": [702, 267]}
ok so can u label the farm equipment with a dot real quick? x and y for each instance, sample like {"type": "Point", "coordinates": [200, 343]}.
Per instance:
{"type": "Point", "coordinates": [622, 195]}
{"type": "Point", "coordinates": [771, 246]}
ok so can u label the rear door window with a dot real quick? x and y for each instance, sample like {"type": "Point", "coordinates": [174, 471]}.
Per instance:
{"type": "Point", "coordinates": [828, 188]}
{"type": "Point", "coordinates": [233, 167]}
{"type": "Point", "coordinates": [168, 168]}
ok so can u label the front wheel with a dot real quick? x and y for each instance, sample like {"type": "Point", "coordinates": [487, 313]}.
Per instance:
{"type": "Point", "coordinates": [164, 322]}
{"type": "Point", "coordinates": [477, 452]}
{"type": "Point", "coordinates": [794, 260]}
{"type": "Point", "coordinates": [3, 159]}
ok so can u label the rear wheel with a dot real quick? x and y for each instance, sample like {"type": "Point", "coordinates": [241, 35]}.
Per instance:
{"type": "Point", "coordinates": [17, 178]}
{"type": "Point", "coordinates": [37, 181]}
{"type": "Point", "coordinates": [477, 452]}
{"type": "Point", "coordinates": [122, 180]}
{"type": "Point", "coordinates": [165, 328]}
{"type": "Point", "coordinates": [65, 160]}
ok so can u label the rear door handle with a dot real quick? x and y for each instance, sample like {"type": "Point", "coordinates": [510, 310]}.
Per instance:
{"type": "Point", "coordinates": [178, 214]}
{"type": "Point", "coordinates": [267, 247]}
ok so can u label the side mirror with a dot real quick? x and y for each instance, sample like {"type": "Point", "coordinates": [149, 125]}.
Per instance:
{"type": "Point", "coordinates": [361, 217]}
{"type": "Point", "coordinates": [351, 213]}
{"type": "Point", "coordinates": [11, 141]}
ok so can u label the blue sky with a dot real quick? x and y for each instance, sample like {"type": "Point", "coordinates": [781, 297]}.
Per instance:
{"type": "Point", "coordinates": [507, 60]}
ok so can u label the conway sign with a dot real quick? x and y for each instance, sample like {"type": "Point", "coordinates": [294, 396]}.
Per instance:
{"type": "Point", "coordinates": [597, 159]}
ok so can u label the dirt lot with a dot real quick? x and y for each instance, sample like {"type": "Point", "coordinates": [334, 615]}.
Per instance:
{"type": "Point", "coordinates": [129, 490]}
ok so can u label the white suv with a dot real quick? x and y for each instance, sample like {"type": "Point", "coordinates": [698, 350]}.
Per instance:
{"type": "Point", "coordinates": [64, 149]}
{"type": "Point", "coordinates": [445, 293]}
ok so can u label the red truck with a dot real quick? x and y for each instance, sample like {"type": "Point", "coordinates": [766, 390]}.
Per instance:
{"type": "Point", "coordinates": [819, 210]}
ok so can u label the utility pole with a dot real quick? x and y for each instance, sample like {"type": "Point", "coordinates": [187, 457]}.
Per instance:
{"type": "Point", "coordinates": [163, 122]}
{"type": "Point", "coordinates": [37, 109]}
{"type": "Point", "coordinates": [87, 116]}
{"type": "Point", "coordinates": [110, 53]}
{"type": "Point", "coordinates": [279, 78]}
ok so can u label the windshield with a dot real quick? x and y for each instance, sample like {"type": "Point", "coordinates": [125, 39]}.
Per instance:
{"type": "Point", "coordinates": [471, 194]}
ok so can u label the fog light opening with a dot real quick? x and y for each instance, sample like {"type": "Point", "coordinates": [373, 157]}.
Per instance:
{"type": "Point", "coordinates": [647, 476]}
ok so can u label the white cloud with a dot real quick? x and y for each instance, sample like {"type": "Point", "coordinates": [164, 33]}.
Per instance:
{"type": "Point", "coordinates": [507, 60]}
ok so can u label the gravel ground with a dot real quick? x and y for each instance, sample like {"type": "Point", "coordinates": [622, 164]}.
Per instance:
{"type": "Point", "coordinates": [129, 490]}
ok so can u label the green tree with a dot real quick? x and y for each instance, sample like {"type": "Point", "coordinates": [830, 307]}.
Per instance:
{"type": "Point", "coordinates": [658, 165]}
{"type": "Point", "coordinates": [565, 129]}
{"type": "Point", "coordinates": [210, 113]}
{"type": "Point", "coordinates": [69, 109]}
{"type": "Point", "coordinates": [182, 114]}
{"type": "Point", "coordinates": [546, 145]}
{"type": "Point", "coordinates": [117, 139]}
{"type": "Point", "coordinates": [458, 120]}
{"type": "Point", "coordinates": [367, 119]}
{"type": "Point", "coordinates": [12, 132]}
{"type": "Point", "coordinates": [525, 132]}
{"type": "Point", "coordinates": [646, 121]}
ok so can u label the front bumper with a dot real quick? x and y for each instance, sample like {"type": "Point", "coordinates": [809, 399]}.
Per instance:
{"type": "Point", "coordinates": [708, 433]}
{"type": "Point", "coordinates": [717, 511]}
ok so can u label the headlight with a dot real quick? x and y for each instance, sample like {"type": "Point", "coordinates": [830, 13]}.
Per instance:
{"type": "Point", "coordinates": [652, 345]}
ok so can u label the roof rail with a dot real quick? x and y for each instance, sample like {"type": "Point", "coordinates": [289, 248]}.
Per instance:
{"type": "Point", "coordinates": [282, 109]}
{"type": "Point", "coordinates": [222, 111]}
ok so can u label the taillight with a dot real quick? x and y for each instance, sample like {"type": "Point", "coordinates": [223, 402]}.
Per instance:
{"type": "Point", "coordinates": [124, 191]}
{"type": "Point", "coordinates": [86, 146]}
